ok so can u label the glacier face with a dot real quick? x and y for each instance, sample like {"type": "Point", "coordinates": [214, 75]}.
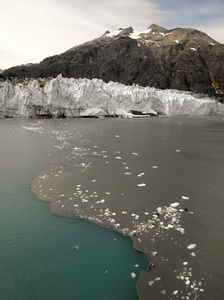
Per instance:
{"type": "Point", "coordinates": [71, 97]}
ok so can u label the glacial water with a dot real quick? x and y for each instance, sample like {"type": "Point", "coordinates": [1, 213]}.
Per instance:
{"type": "Point", "coordinates": [134, 167]}
{"type": "Point", "coordinates": [37, 258]}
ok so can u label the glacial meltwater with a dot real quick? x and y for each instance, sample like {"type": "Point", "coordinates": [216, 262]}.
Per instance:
{"type": "Point", "coordinates": [117, 195]}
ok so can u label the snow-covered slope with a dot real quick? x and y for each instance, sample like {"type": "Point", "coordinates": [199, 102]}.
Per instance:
{"type": "Point", "coordinates": [83, 97]}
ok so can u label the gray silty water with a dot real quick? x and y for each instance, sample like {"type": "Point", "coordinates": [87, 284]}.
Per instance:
{"type": "Point", "coordinates": [157, 180]}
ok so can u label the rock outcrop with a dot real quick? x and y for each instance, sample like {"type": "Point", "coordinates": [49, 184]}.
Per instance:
{"type": "Point", "coordinates": [183, 59]}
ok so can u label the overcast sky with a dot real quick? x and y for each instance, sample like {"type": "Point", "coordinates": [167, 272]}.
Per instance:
{"type": "Point", "coordinates": [31, 30]}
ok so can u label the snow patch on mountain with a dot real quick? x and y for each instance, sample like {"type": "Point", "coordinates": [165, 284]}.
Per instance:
{"type": "Point", "coordinates": [71, 97]}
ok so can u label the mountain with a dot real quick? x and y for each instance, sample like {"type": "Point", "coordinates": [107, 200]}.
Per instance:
{"type": "Point", "coordinates": [182, 58]}
{"type": "Point", "coordinates": [1, 70]}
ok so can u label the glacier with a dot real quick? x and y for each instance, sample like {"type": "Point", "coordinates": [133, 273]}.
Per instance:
{"type": "Point", "coordinates": [69, 97]}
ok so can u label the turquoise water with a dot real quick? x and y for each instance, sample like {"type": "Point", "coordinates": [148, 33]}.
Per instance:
{"type": "Point", "coordinates": [37, 258]}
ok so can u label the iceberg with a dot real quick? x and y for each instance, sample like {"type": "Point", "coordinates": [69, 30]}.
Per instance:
{"type": "Point", "coordinates": [69, 97]}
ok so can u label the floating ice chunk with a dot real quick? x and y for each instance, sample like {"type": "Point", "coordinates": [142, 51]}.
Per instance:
{"type": "Point", "coordinates": [163, 292]}
{"type": "Point", "coordinates": [118, 157]}
{"type": "Point", "coordinates": [169, 226]}
{"type": "Point", "coordinates": [133, 275]}
{"type": "Point", "coordinates": [178, 150]}
{"type": "Point", "coordinates": [134, 153]}
{"type": "Point", "coordinates": [193, 254]}
{"type": "Point", "coordinates": [136, 266]}
{"type": "Point", "coordinates": [106, 271]}
{"type": "Point", "coordinates": [175, 292]}
{"type": "Point", "coordinates": [141, 174]}
{"type": "Point", "coordinates": [185, 263]}
{"type": "Point", "coordinates": [117, 135]}
{"type": "Point", "coordinates": [154, 253]}
{"type": "Point", "coordinates": [187, 282]}
{"type": "Point", "coordinates": [62, 206]}
{"type": "Point", "coordinates": [154, 167]}
{"type": "Point", "coordinates": [181, 229]}
{"type": "Point", "coordinates": [151, 282]}
{"type": "Point", "coordinates": [141, 184]}
{"type": "Point", "coordinates": [191, 246]}
{"type": "Point", "coordinates": [124, 212]}
{"type": "Point", "coordinates": [146, 213]}
{"type": "Point", "coordinates": [157, 278]}
{"type": "Point", "coordinates": [101, 201]}
{"type": "Point", "coordinates": [175, 204]}
{"type": "Point", "coordinates": [127, 173]}
{"type": "Point", "coordinates": [159, 210]}
{"type": "Point", "coordinates": [185, 198]}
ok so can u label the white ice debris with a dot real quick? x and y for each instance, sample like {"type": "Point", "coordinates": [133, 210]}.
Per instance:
{"type": "Point", "coordinates": [133, 275]}
{"type": "Point", "coordinates": [185, 198]}
{"type": "Point", "coordinates": [141, 184]}
{"type": "Point", "coordinates": [85, 97]}
{"type": "Point", "coordinates": [151, 282]}
{"type": "Point", "coordinates": [191, 246]}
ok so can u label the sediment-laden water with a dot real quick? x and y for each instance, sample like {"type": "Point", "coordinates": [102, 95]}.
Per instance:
{"type": "Point", "coordinates": [156, 180]}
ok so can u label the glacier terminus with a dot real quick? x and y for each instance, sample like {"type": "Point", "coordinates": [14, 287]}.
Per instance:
{"type": "Point", "coordinates": [69, 97]}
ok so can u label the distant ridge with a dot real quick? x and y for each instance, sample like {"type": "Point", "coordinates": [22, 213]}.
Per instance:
{"type": "Point", "coordinates": [180, 58]}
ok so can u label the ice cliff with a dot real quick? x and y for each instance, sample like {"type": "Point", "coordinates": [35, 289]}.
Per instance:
{"type": "Point", "coordinates": [71, 97]}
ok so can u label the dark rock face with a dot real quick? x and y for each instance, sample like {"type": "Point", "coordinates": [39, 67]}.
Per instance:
{"type": "Point", "coordinates": [184, 59]}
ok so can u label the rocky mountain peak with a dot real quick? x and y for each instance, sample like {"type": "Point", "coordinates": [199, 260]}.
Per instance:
{"type": "Point", "coordinates": [179, 58]}
{"type": "Point", "coordinates": [155, 28]}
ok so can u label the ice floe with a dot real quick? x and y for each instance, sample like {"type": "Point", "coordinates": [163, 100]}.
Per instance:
{"type": "Point", "coordinates": [133, 275]}
{"type": "Point", "coordinates": [191, 246]}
